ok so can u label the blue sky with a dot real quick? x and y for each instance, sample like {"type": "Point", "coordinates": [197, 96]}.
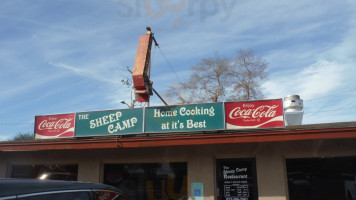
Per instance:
{"type": "Point", "coordinates": [63, 56]}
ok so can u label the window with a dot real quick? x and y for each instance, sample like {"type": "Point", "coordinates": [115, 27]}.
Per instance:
{"type": "Point", "coordinates": [321, 178]}
{"type": "Point", "coordinates": [149, 180]}
{"type": "Point", "coordinates": [52, 172]}
{"type": "Point", "coordinates": [236, 179]}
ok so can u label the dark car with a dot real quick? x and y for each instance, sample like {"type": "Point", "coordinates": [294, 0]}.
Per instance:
{"type": "Point", "coordinates": [34, 189]}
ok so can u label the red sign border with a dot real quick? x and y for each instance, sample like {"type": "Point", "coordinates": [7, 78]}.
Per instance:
{"type": "Point", "coordinates": [243, 128]}
{"type": "Point", "coordinates": [53, 137]}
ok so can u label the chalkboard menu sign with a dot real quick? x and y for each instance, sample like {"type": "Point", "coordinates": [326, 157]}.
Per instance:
{"type": "Point", "coordinates": [236, 179]}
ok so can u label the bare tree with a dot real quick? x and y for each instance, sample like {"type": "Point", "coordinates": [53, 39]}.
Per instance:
{"type": "Point", "coordinates": [207, 82]}
{"type": "Point", "coordinates": [247, 75]}
{"type": "Point", "coordinates": [127, 81]}
{"type": "Point", "coordinates": [23, 137]}
{"type": "Point", "coordinates": [222, 79]}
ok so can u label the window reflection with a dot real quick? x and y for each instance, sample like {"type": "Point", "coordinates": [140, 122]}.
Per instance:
{"type": "Point", "coordinates": [149, 181]}
{"type": "Point", "coordinates": [67, 172]}
{"type": "Point", "coordinates": [321, 178]}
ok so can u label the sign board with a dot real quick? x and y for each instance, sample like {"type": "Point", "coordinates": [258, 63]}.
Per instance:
{"type": "Point", "coordinates": [184, 118]}
{"type": "Point", "coordinates": [236, 179]}
{"type": "Point", "coordinates": [112, 122]}
{"type": "Point", "coordinates": [179, 118]}
{"type": "Point", "coordinates": [254, 114]}
{"type": "Point", "coordinates": [140, 71]}
{"type": "Point", "coordinates": [54, 126]}
{"type": "Point", "coordinates": [197, 191]}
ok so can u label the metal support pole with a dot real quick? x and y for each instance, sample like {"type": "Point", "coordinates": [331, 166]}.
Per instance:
{"type": "Point", "coordinates": [159, 96]}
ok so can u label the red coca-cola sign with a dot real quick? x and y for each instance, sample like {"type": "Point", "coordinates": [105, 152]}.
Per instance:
{"type": "Point", "coordinates": [54, 126]}
{"type": "Point", "coordinates": [254, 114]}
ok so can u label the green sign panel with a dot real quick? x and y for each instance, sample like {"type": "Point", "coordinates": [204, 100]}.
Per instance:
{"type": "Point", "coordinates": [112, 122]}
{"type": "Point", "coordinates": [184, 118]}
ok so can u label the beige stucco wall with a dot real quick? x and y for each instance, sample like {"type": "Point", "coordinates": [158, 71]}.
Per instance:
{"type": "Point", "coordinates": [270, 160]}
{"type": "Point", "coordinates": [270, 164]}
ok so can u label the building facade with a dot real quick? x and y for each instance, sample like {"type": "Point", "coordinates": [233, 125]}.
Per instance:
{"type": "Point", "coordinates": [295, 162]}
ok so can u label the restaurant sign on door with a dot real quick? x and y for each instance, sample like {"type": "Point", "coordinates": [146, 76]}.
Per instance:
{"type": "Point", "coordinates": [54, 126]}
{"type": "Point", "coordinates": [254, 114]}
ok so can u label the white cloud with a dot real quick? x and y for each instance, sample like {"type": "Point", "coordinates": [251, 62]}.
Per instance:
{"type": "Point", "coordinates": [319, 79]}
{"type": "Point", "coordinates": [4, 137]}
{"type": "Point", "coordinates": [327, 88]}
{"type": "Point", "coordinates": [322, 74]}
{"type": "Point", "coordinates": [93, 72]}
{"type": "Point", "coordinates": [311, 82]}
{"type": "Point", "coordinates": [21, 84]}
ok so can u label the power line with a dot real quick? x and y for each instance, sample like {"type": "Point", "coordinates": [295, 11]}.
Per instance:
{"type": "Point", "coordinates": [169, 64]}
{"type": "Point", "coordinates": [152, 57]}
{"type": "Point", "coordinates": [15, 124]}
{"type": "Point", "coordinates": [332, 110]}
{"type": "Point", "coordinates": [331, 95]}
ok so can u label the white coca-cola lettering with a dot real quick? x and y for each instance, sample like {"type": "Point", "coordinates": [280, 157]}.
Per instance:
{"type": "Point", "coordinates": [60, 124]}
{"type": "Point", "coordinates": [259, 112]}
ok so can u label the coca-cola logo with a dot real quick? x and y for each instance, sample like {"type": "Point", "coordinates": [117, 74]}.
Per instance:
{"type": "Point", "coordinates": [259, 112]}
{"type": "Point", "coordinates": [254, 114]}
{"type": "Point", "coordinates": [63, 123]}
{"type": "Point", "coordinates": [54, 126]}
